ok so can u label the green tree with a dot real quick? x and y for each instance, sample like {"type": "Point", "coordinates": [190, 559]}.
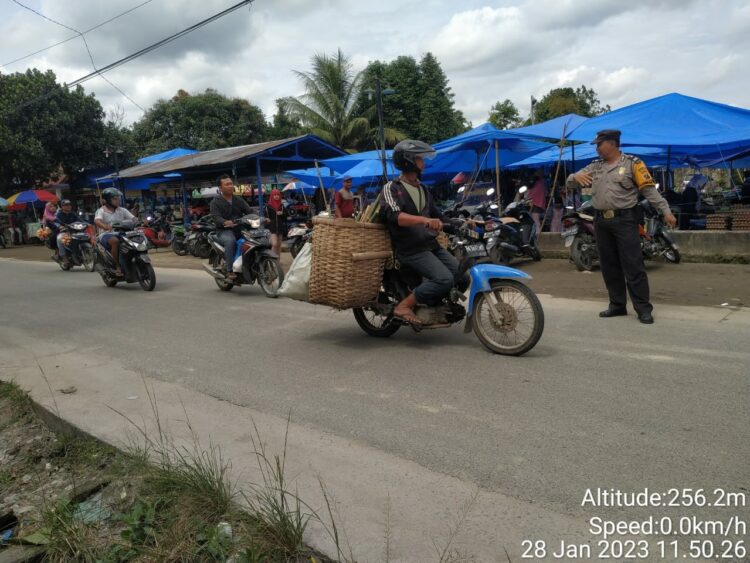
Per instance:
{"type": "Point", "coordinates": [284, 125]}
{"type": "Point", "coordinates": [422, 106]}
{"type": "Point", "coordinates": [438, 119]}
{"type": "Point", "coordinates": [328, 106]}
{"type": "Point", "coordinates": [504, 115]}
{"type": "Point", "coordinates": [45, 127]}
{"type": "Point", "coordinates": [561, 101]}
{"type": "Point", "coordinates": [202, 121]}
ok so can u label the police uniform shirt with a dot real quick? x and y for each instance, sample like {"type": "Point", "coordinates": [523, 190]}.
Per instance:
{"type": "Point", "coordinates": [616, 186]}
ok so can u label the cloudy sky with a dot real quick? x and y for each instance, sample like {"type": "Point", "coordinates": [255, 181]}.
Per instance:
{"type": "Point", "coordinates": [626, 51]}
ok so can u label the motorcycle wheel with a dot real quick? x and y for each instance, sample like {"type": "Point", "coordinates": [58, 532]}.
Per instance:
{"type": "Point", "coordinates": [178, 246]}
{"type": "Point", "coordinates": [202, 249]}
{"type": "Point", "coordinates": [522, 319]}
{"type": "Point", "coordinates": [88, 257]}
{"type": "Point", "coordinates": [583, 260]}
{"type": "Point", "coordinates": [191, 247]}
{"type": "Point", "coordinates": [146, 276]}
{"type": "Point", "coordinates": [374, 323]}
{"type": "Point", "coordinates": [217, 262]}
{"type": "Point", "coordinates": [270, 276]}
{"type": "Point", "coordinates": [108, 280]}
{"type": "Point", "coordinates": [671, 254]}
{"type": "Point", "coordinates": [296, 247]}
{"type": "Point", "coordinates": [534, 252]}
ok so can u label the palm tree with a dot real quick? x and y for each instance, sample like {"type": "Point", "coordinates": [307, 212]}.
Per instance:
{"type": "Point", "coordinates": [328, 107]}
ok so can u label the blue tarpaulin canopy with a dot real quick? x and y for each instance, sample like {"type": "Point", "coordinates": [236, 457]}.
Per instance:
{"type": "Point", "coordinates": [347, 162]}
{"type": "Point", "coordinates": [328, 176]}
{"type": "Point", "coordinates": [166, 155]}
{"type": "Point", "coordinates": [673, 120]}
{"type": "Point", "coordinates": [484, 136]}
{"type": "Point", "coordinates": [556, 128]}
{"type": "Point", "coordinates": [585, 153]}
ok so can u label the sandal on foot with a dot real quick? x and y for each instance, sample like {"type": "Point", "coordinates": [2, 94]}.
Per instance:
{"type": "Point", "coordinates": [408, 318]}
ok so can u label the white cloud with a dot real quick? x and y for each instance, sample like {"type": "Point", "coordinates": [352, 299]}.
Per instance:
{"type": "Point", "coordinates": [490, 50]}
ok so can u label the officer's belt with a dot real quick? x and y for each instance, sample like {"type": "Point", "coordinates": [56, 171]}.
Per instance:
{"type": "Point", "coordinates": [612, 213]}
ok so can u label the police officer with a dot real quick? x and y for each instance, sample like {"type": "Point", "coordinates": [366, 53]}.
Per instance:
{"type": "Point", "coordinates": [616, 180]}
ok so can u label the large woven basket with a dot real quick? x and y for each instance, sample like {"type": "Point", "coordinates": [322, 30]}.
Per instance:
{"type": "Point", "coordinates": [347, 262]}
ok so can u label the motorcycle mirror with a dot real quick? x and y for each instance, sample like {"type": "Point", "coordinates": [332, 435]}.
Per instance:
{"type": "Point", "coordinates": [523, 189]}
{"type": "Point", "coordinates": [491, 191]}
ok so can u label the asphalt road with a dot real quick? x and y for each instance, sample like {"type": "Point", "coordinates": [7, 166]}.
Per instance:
{"type": "Point", "coordinates": [598, 403]}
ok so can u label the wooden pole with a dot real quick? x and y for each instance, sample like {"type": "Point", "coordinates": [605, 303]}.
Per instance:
{"type": "Point", "coordinates": [497, 176]}
{"type": "Point", "coordinates": [554, 181]}
{"type": "Point", "coordinates": [320, 179]}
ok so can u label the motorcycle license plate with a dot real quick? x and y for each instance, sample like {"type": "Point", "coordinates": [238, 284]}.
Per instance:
{"type": "Point", "coordinates": [569, 233]}
{"type": "Point", "coordinates": [475, 250]}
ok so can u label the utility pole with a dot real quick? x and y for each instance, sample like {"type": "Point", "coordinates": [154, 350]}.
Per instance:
{"type": "Point", "coordinates": [379, 93]}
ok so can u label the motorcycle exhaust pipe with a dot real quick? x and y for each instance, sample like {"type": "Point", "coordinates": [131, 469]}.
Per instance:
{"type": "Point", "coordinates": [507, 246]}
{"type": "Point", "coordinates": [213, 273]}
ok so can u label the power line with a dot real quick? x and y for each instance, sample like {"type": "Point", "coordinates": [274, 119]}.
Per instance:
{"type": "Point", "coordinates": [97, 26]}
{"type": "Point", "coordinates": [139, 53]}
{"type": "Point", "coordinates": [86, 44]}
{"type": "Point", "coordinates": [161, 43]}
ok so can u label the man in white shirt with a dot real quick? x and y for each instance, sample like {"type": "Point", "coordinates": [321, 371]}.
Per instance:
{"type": "Point", "coordinates": [105, 217]}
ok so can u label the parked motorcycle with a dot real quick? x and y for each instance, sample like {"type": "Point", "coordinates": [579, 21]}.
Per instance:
{"type": "Point", "coordinates": [134, 260]}
{"type": "Point", "coordinates": [157, 230]}
{"type": "Point", "coordinates": [504, 313]}
{"type": "Point", "coordinates": [197, 242]}
{"type": "Point", "coordinates": [656, 240]}
{"type": "Point", "coordinates": [179, 242]}
{"type": "Point", "coordinates": [297, 236]}
{"type": "Point", "coordinates": [578, 232]}
{"type": "Point", "coordinates": [254, 260]}
{"type": "Point", "coordinates": [77, 241]}
{"type": "Point", "coordinates": [515, 235]}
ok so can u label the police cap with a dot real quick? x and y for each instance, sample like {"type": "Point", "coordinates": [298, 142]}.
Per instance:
{"type": "Point", "coordinates": [607, 135]}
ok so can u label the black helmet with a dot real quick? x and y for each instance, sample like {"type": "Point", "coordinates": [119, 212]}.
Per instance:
{"type": "Point", "coordinates": [111, 193]}
{"type": "Point", "coordinates": [405, 151]}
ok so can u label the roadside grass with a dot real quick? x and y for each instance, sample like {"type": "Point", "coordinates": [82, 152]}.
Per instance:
{"type": "Point", "coordinates": [174, 501]}
{"type": "Point", "coordinates": [19, 400]}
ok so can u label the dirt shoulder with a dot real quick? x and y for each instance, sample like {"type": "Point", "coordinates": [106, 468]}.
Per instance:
{"type": "Point", "coordinates": [65, 496]}
{"type": "Point", "coordinates": [675, 284]}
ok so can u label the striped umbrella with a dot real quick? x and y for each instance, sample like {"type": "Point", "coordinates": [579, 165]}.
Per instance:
{"type": "Point", "coordinates": [31, 196]}
{"type": "Point", "coordinates": [3, 202]}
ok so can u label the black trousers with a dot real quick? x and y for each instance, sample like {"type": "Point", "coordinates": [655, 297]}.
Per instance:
{"type": "Point", "coordinates": [619, 243]}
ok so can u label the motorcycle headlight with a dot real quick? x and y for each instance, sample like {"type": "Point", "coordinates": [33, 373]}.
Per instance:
{"type": "Point", "coordinates": [254, 223]}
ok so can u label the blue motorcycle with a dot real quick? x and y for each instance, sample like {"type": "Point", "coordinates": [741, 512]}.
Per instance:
{"type": "Point", "coordinates": [504, 313]}
{"type": "Point", "coordinates": [253, 260]}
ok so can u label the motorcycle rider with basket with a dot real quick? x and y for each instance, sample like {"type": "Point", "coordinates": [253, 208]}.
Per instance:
{"type": "Point", "coordinates": [414, 223]}
{"type": "Point", "coordinates": [65, 216]}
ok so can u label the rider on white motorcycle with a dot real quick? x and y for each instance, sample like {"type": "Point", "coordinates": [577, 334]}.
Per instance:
{"type": "Point", "coordinates": [105, 217]}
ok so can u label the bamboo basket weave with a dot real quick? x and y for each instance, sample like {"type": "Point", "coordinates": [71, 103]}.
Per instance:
{"type": "Point", "coordinates": [347, 262]}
